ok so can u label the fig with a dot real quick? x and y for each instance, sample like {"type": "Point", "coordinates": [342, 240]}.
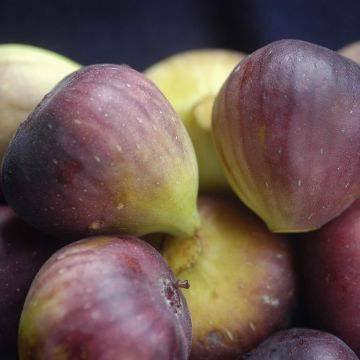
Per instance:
{"type": "Point", "coordinates": [105, 297]}
{"type": "Point", "coordinates": [242, 276]}
{"type": "Point", "coordinates": [103, 153]}
{"type": "Point", "coordinates": [27, 73]}
{"type": "Point", "coordinates": [286, 126]}
{"type": "Point", "coordinates": [352, 51]}
{"type": "Point", "coordinates": [191, 80]}
{"type": "Point", "coordinates": [329, 261]}
{"type": "Point", "coordinates": [302, 344]}
{"type": "Point", "coordinates": [23, 250]}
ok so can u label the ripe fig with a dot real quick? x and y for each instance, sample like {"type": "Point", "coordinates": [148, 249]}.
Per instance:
{"type": "Point", "coordinates": [105, 298]}
{"type": "Point", "coordinates": [302, 344]}
{"type": "Point", "coordinates": [242, 276]}
{"type": "Point", "coordinates": [27, 73]}
{"type": "Point", "coordinates": [352, 51]}
{"type": "Point", "coordinates": [329, 265]}
{"type": "Point", "coordinates": [191, 80]}
{"type": "Point", "coordinates": [23, 250]}
{"type": "Point", "coordinates": [286, 126]}
{"type": "Point", "coordinates": [104, 152]}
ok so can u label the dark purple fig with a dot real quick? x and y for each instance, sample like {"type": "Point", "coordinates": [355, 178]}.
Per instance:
{"type": "Point", "coordinates": [286, 125]}
{"type": "Point", "coordinates": [329, 265]}
{"type": "Point", "coordinates": [23, 250]}
{"type": "Point", "coordinates": [105, 298]}
{"type": "Point", "coordinates": [302, 344]}
{"type": "Point", "coordinates": [104, 152]}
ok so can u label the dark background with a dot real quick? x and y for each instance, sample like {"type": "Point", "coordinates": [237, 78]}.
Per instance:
{"type": "Point", "coordinates": [140, 33]}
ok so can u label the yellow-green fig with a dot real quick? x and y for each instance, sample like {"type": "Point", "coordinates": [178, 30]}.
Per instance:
{"type": "Point", "coordinates": [241, 276]}
{"type": "Point", "coordinates": [27, 73]}
{"type": "Point", "coordinates": [191, 80]}
{"type": "Point", "coordinates": [352, 51]}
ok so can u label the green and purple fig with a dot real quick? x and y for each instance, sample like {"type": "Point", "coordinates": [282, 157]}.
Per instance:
{"type": "Point", "coordinates": [286, 125]}
{"type": "Point", "coordinates": [104, 152]}
{"type": "Point", "coordinates": [190, 80]}
{"type": "Point", "coordinates": [105, 298]}
{"type": "Point", "coordinates": [242, 279]}
{"type": "Point", "coordinates": [27, 73]}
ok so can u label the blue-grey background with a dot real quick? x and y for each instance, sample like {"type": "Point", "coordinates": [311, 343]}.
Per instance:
{"type": "Point", "coordinates": [141, 32]}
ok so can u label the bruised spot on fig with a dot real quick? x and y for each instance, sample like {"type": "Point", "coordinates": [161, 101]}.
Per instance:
{"type": "Point", "coordinates": [133, 263]}
{"type": "Point", "coordinates": [67, 170]}
{"type": "Point", "coordinates": [215, 336]}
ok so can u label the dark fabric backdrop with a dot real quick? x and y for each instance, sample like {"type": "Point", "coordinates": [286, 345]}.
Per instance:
{"type": "Point", "coordinates": [141, 32]}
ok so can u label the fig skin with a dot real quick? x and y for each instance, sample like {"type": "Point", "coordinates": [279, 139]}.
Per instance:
{"type": "Point", "coordinates": [103, 153]}
{"type": "Point", "coordinates": [105, 298]}
{"type": "Point", "coordinates": [27, 74]}
{"type": "Point", "coordinates": [352, 51]}
{"type": "Point", "coordinates": [23, 250]}
{"type": "Point", "coordinates": [329, 261]}
{"type": "Point", "coordinates": [242, 276]}
{"type": "Point", "coordinates": [302, 344]}
{"type": "Point", "coordinates": [190, 80]}
{"type": "Point", "coordinates": [286, 126]}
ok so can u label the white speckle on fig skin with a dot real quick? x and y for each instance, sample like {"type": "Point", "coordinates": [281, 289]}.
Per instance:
{"type": "Point", "coordinates": [269, 300]}
{"type": "Point", "coordinates": [252, 326]}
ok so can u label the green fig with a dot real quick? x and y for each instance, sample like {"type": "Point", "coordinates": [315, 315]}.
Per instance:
{"type": "Point", "coordinates": [242, 279]}
{"type": "Point", "coordinates": [191, 80]}
{"type": "Point", "coordinates": [27, 73]}
{"type": "Point", "coordinates": [352, 51]}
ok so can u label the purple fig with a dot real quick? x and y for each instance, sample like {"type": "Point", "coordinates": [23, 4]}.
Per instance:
{"type": "Point", "coordinates": [105, 298]}
{"type": "Point", "coordinates": [302, 344]}
{"type": "Point", "coordinates": [286, 126]}
{"type": "Point", "coordinates": [329, 266]}
{"type": "Point", "coordinates": [23, 250]}
{"type": "Point", "coordinates": [104, 152]}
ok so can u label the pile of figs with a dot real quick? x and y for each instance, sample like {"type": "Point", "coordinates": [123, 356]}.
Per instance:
{"type": "Point", "coordinates": [204, 208]}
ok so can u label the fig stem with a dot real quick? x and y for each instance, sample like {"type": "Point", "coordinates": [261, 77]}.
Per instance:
{"type": "Point", "coordinates": [184, 284]}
